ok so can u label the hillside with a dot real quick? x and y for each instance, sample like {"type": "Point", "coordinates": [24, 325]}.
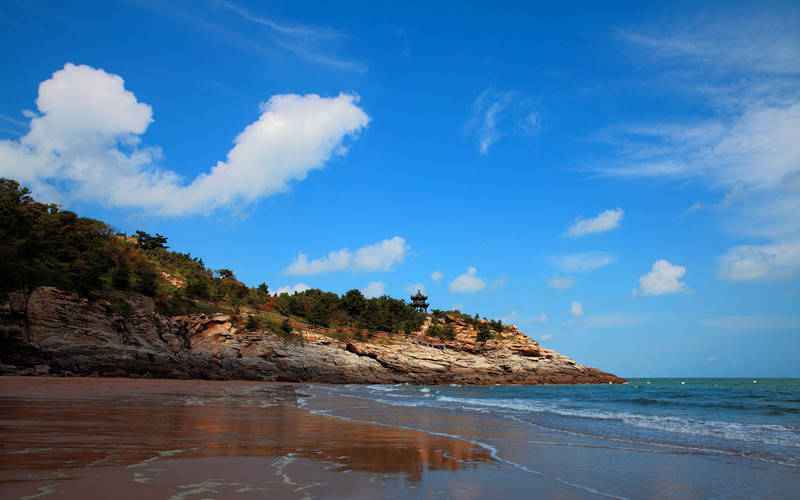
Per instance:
{"type": "Point", "coordinates": [79, 298]}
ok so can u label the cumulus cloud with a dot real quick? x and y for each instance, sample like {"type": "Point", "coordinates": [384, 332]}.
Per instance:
{"type": "Point", "coordinates": [605, 221]}
{"type": "Point", "coordinates": [562, 282]}
{"type": "Point", "coordinates": [416, 287]}
{"type": "Point", "coordinates": [662, 279]}
{"type": "Point", "coordinates": [495, 113]}
{"type": "Point", "coordinates": [582, 262]}
{"type": "Point", "coordinates": [380, 256]}
{"type": "Point", "coordinates": [468, 282]}
{"type": "Point", "coordinates": [546, 336]}
{"type": "Point", "coordinates": [576, 309]}
{"type": "Point", "coordinates": [291, 290]}
{"type": "Point", "coordinates": [85, 143]}
{"type": "Point", "coordinates": [374, 289]}
{"type": "Point", "coordinates": [760, 262]}
{"type": "Point", "coordinates": [335, 261]}
{"type": "Point", "coordinates": [437, 276]}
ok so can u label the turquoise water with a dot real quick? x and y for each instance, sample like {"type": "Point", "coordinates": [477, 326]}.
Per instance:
{"type": "Point", "coordinates": [759, 422]}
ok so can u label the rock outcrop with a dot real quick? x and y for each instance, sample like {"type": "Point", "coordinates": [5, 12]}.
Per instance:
{"type": "Point", "coordinates": [52, 332]}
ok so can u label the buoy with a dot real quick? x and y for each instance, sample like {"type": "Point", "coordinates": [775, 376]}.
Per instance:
{"type": "Point", "coordinates": [755, 381]}
{"type": "Point", "coordinates": [683, 383]}
{"type": "Point", "coordinates": [610, 383]}
{"type": "Point", "coordinates": [648, 381]}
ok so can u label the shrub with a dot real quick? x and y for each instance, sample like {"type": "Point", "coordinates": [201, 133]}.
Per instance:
{"type": "Point", "coordinates": [253, 323]}
{"type": "Point", "coordinates": [484, 333]}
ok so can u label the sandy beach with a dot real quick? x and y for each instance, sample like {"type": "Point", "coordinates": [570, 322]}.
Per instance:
{"type": "Point", "coordinates": [184, 439]}
{"type": "Point", "coordinates": [124, 438]}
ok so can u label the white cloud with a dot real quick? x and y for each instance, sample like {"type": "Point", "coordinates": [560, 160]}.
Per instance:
{"type": "Point", "coordinates": [543, 318]}
{"type": "Point", "coordinates": [744, 73]}
{"type": "Point", "coordinates": [297, 288]}
{"type": "Point", "coordinates": [374, 289]}
{"type": "Point", "coordinates": [562, 282]}
{"type": "Point", "coordinates": [605, 221]}
{"type": "Point", "coordinates": [755, 322]}
{"type": "Point", "coordinates": [662, 279]}
{"type": "Point", "coordinates": [546, 336]}
{"type": "Point", "coordinates": [86, 139]}
{"type": "Point", "coordinates": [335, 261]}
{"type": "Point", "coordinates": [468, 282]}
{"type": "Point", "coordinates": [576, 309]}
{"type": "Point", "coordinates": [380, 256]}
{"type": "Point", "coordinates": [760, 262]}
{"type": "Point", "coordinates": [582, 262]}
{"type": "Point", "coordinates": [495, 113]}
{"type": "Point", "coordinates": [416, 287]}
{"type": "Point", "coordinates": [437, 276]}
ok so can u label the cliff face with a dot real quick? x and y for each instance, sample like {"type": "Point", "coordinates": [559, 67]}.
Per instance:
{"type": "Point", "coordinates": [51, 332]}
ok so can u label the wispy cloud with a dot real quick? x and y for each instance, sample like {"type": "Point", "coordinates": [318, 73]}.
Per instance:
{"type": "Point", "coordinates": [315, 44]}
{"type": "Point", "coordinates": [582, 262]}
{"type": "Point", "coordinates": [308, 42]}
{"type": "Point", "coordinates": [598, 321]}
{"type": "Point", "coordinates": [745, 73]}
{"type": "Point", "coordinates": [497, 113]}
{"type": "Point", "coordinates": [753, 322]}
{"type": "Point", "coordinates": [772, 262]}
{"type": "Point", "coordinates": [562, 282]}
{"type": "Point", "coordinates": [14, 121]}
{"type": "Point", "coordinates": [604, 221]}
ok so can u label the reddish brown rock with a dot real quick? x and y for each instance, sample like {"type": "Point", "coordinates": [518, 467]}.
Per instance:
{"type": "Point", "coordinates": [54, 332]}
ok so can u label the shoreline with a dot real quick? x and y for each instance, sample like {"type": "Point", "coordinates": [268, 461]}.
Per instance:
{"type": "Point", "coordinates": [71, 437]}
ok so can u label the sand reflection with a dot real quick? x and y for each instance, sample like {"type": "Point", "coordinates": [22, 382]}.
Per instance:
{"type": "Point", "coordinates": [54, 428]}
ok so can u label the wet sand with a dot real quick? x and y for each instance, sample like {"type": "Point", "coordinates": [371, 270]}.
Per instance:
{"type": "Point", "coordinates": [124, 438]}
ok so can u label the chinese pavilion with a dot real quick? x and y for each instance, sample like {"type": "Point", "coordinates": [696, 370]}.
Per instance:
{"type": "Point", "coordinates": [418, 302]}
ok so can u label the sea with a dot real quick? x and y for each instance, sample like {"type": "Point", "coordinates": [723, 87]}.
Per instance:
{"type": "Point", "coordinates": [708, 437]}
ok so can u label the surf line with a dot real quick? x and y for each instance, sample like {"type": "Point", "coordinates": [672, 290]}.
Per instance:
{"type": "Point", "coordinates": [493, 452]}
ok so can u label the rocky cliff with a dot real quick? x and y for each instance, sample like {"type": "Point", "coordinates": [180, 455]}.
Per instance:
{"type": "Point", "coordinates": [48, 331]}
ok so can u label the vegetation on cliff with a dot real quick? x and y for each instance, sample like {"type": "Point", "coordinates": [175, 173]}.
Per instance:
{"type": "Point", "coordinates": [40, 244]}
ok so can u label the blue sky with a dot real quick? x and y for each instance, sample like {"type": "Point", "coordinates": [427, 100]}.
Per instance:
{"type": "Point", "coordinates": [621, 181]}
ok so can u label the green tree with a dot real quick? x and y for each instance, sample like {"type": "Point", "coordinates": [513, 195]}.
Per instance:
{"type": "Point", "coordinates": [286, 327]}
{"type": "Point", "coordinates": [484, 333]}
{"type": "Point", "coordinates": [225, 274]}
{"type": "Point", "coordinates": [146, 283]}
{"type": "Point", "coordinates": [448, 332]}
{"type": "Point", "coordinates": [354, 303]}
{"type": "Point", "coordinates": [121, 278]}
